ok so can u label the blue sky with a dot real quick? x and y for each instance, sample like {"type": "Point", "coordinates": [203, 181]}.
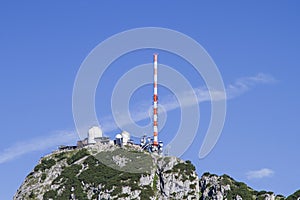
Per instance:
{"type": "Point", "coordinates": [254, 44]}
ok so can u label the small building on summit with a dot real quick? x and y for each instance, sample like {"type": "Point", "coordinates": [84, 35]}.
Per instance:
{"type": "Point", "coordinates": [94, 133]}
{"type": "Point", "coordinates": [123, 139]}
{"type": "Point", "coordinates": [95, 136]}
{"type": "Point", "coordinates": [126, 137]}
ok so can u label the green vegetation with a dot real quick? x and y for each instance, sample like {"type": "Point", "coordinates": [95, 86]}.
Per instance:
{"type": "Point", "coordinates": [50, 195]}
{"type": "Point", "coordinates": [32, 195]}
{"type": "Point", "coordinates": [116, 191]}
{"type": "Point", "coordinates": [186, 169]}
{"type": "Point", "coordinates": [200, 194]}
{"type": "Point", "coordinates": [226, 180]}
{"type": "Point", "coordinates": [193, 186]}
{"type": "Point", "coordinates": [101, 169]}
{"type": "Point", "coordinates": [294, 196]}
{"type": "Point", "coordinates": [263, 192]}
{"type": "Point", "coordinates": [61, 156]}
{"type": "Point", "coordinates": [112, 179]}
{"type": "Point", "coordinates": [206, 174]}
{"type": "Point", "coordinates": [69, 179]}
{"type": "Point", "coordinates": [136, 161]}
{"type": "Point", "coordinates": [155, 179]}
{"type": "Point", "coordinates": [45, 164]}
{"type": "Point", "coordinates": [240, 189]}
{"type": "Point", "coordinates": [77, 156]}
{"type": "Point", "coordinates": [71, 171]}
{"type": "Point", "coordinates": [43, 177]}
{"type": "Point", "coordinates": [146, 193]}
{"type": "Point", "coordinates": [261, 197]}
{"type": "Point", "coordinates": [123, 195]}
{"type": "Point", "coordinates": [279, 197]}
{"type": "Point", "coordinates": [237, 188]}
{"type": "Point", "coordinates": [30, 174]}
{"type": "Point", "coordinates": [192, 178]}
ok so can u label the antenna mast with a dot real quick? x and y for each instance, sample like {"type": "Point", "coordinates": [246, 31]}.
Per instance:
{"type": "Point", "coordinates": [155, 99]}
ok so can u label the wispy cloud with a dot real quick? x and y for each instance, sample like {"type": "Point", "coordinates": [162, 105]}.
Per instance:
{"type": "Point", "coordinates": [169, 103]}
{"type": "Point", "coordinates": [244, 84]}
{"type": "Point", "coordinates": [233, 90]}
{"type": "Point", "coordinates": [258, 174]}
{"type": "Point", "coordinates": [37, 144]}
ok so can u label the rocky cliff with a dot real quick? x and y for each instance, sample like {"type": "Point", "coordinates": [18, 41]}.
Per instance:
{"type": "Point", "coordinates": [110, 172]}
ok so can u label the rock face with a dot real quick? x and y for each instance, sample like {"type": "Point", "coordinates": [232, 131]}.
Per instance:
{"type": "Point", "coordinates": [177, 179]}
{"type": "Point", "coordinates": [109, 172]}
{"type": "Point", "coordinates": [223, 187]}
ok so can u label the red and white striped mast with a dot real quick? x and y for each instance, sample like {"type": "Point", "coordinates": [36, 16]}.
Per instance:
{"type": "Point", "coordinates": [155, 98]}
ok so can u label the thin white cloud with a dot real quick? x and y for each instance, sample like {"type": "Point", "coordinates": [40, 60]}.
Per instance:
{"type": "Point", "coordinates": [239, 87]}
{"type": "Point", "coordinates": [169, 103]}
{"type": "Point", "coordinates": [37, 144]}
{"type": "Point", "coordinates": [258, 174]}
{"type": "Point", "coordinates": [244, 84]}
{"type": "Point", "coordinates": [233, 90]}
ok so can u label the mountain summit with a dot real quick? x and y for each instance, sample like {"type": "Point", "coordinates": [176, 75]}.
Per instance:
{"type": "Point", "coordinates": [105, 171]}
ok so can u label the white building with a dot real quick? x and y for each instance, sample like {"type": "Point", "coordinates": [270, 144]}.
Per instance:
{"type": "Point", "coordinates": [126, 137]}
{"type": "Point", "coordinates": [94, 133]}
{"type": "Point", "coordinates": [119, 140]}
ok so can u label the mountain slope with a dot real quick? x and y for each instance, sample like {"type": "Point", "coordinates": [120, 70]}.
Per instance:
{"type": "Point", "coordinates": [104, 171]}
{"type": "Point", "coordinates": [109, 172]}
